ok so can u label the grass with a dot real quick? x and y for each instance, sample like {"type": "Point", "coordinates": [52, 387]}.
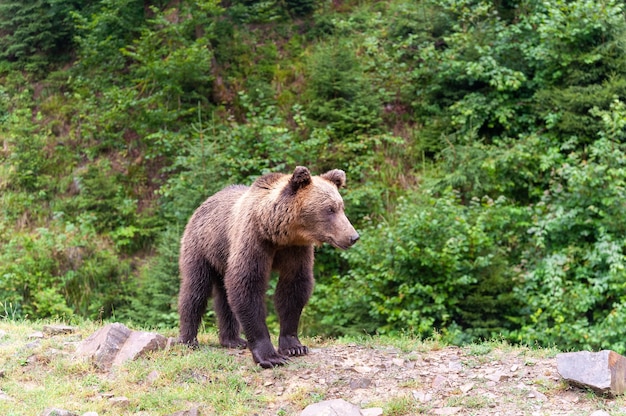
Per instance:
{"type": "Point", "coordinates": [42, 373]}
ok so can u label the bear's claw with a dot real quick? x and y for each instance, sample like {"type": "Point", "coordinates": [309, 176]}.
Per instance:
{"type": "Point", "coordinates": [294, 351]}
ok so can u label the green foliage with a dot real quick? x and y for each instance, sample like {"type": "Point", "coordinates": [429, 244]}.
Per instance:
{"type": "Point", "coordinates": [61, 271]}
{"type": "Point", "coordinates": [341, 96]}
{"type": "Point", "coordinates": [34, 33]}
{"type": "Point", "coordinates": [439, 264]}
{"type": "Point", "coordinates": [574, 266]}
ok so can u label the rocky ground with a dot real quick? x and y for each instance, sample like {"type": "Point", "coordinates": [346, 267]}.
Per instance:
{"type": "Point", "coordinates": [476, 380]}
{"type": "Point", "coordinates": [401, 377]}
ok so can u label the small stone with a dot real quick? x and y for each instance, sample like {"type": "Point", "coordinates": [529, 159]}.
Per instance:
{"type": "Point", "coordinates": [363, 369]}
{"type": "Point", "coordinates": [361, 383]}
{"type": "Point", "coordinates": [497, 376]}
{"type": "Point", "coordinates": [455, 366]}
{"type": "Point", "coordinates": [422, 396]}
{"type": "Point", "coordinates": [332, 408]}
{"type": "Point", "coordinates": [372, 411]}
{"type": "Point", "coordinates": [90, 414]}
{"type": "Point", "coordinates": [439, 381]}
{"type": "Point", "coordinates": [120, 401]}
{"type": "Point", "coordinates": [58, 329]}
{"type": "Point", "coordinates": [465, 388]}
{"type": "Point", "coordinates": [36, 335]}
{"type": "Point", "coordinates": [4, 396]}
{"type": "Point", "coordinates": [191, 412]}
{"type": "Point", "coordinates": [57, 412]}
{"type": "Point", "coordinates": [446, 411]}
{"type": "Point", "coordinates": [600, 413]}
{"type": "Point", "coordinates": [3, 334]}
{"type": "Point", "coordinates": [153, 376]}
{"type": "Point", "coordinates": [514, 368]}
{"type": "Point", "coordinates": [604, 371]}
{"type": "Point", "coordinates": [398, 362]}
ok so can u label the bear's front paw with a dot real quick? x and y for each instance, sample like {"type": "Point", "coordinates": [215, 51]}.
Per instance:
{"type": "Point", "coordinates": [192, 343]}
{"type": "Point", "coordinates": [267, 357]}
{"type": "Point", "coordinates": [291, 346]}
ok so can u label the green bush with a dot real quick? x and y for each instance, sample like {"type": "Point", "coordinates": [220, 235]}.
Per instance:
{"type": "Point", "coordinates": [574, 266]}
{"type": "Point", "coordinates": [438, 265]}
{"type": "Point", "coordinates": [63, 271]}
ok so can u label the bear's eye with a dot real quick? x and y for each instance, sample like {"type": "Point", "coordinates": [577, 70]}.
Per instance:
{"type": "Point", "coordinates": [331, 210]}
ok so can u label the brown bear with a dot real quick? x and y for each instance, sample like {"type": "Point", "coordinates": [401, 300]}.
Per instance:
{"type": "Point", "coordinates": [238, 236]}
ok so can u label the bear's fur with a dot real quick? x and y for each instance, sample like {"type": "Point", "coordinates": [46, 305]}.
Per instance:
{"type": "Point", "coordinates": [234, 240]}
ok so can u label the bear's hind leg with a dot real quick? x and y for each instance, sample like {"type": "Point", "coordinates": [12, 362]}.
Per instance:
{"type": "Point", "coordinates": [229, 328]}
{"type": "Point", "coordinates": [193, 298]}
{"type": "Point", "coordinates": [293, 291]}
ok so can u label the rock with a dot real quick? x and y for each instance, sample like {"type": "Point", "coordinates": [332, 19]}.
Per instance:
{"type": "Point", "coordinates": [120, 401]}
{"type": "Point", "coordinates": [115, 344]}
{"type": "Point", "coordinates": [58, 329]}
{"type": "Point", "coordinates": [361, 383]}
{"type": "Point", "coordinates": [600, 413]}
{"type": "Point", "coordinates": [3, 334]}
{"type": "Point", "coordinates": [465, 388]}
{"type": "Point", "coordinates": [191, 412]}
{"type": "Point", "coordinates": [455, 366]}
{"type": "Point", "coordinates": [58, 412]}
{"type": "Point", "coordinates": [439, 381]}
{"type": "Point", "coordinates": [90, 414]}
{"type": "Point", "coordinates": [36, 335]}
{"type": "Point", "coordinates": [446, 411]}
{"type": "Point", "coordinates": [137, 344]}
{"type": "Point", "coordinates": [4, 396]}
{"type": "Point", "coordinates": [497, 376]}
{"type": "Point", "coordinates": [422, 396]}
{"type": "Point", "coordinates": [372, 411]}
{"type": "Point", "coordinates": [153, 376]}
{"type": "Point", "coordinates": [398, 362]}
{"type": "Point", "coordinates": [336, 407]}
{"type": "Point", "coordinates": [604, 371]}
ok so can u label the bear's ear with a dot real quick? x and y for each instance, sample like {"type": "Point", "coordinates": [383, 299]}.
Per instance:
{"type": "Point", "coordinates": [336, 176]}
{"type": "Point", "coordinates": [301, 177]}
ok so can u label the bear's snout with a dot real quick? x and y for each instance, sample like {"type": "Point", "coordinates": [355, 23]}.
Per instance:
{"type": "Point", "coordinates": [354, 239]}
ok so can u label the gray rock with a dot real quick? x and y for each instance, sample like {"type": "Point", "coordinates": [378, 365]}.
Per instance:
{"type": "Point", "coordinates": [115, 344]}
{"type": "Point", "coordinates": [137, 344]}
{"type": "Point", "coordinates": [119, 401]}
{"type": "Point", "coordinates": [372, 411]}
{"type": "Point", "coordinates": [336, 407]}
{"type": "Point", "coordinates": [360, 383]}
{"type": "Point", "coordinates": [58, 329]}
{"type": "Point", "coordinates": [604, 371]}
{"type": "Point", "coordinates": [90, 414]}
{"type": "Point", "coordinates": [600, 413]}
{"type": "Point", "coordinates": [58, 412]}
{"type": "Point", "coordinates": [191, 412]}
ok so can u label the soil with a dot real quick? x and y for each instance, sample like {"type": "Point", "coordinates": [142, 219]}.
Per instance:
{"type": "Point", "coordinates": [476, 380]}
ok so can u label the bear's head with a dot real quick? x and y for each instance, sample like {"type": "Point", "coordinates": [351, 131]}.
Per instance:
{"type": "Point", "coordinates": [322, 218]}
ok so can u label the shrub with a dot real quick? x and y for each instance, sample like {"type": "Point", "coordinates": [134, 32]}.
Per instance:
{"type": "Point", "coordinates": [438, 266]}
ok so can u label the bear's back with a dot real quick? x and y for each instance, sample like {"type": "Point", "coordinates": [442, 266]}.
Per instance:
{"type": "Point", "coordinates": [208, 229]}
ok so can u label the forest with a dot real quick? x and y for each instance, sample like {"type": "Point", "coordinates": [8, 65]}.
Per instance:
{"type": "Point", "coordinates": [484, 143]}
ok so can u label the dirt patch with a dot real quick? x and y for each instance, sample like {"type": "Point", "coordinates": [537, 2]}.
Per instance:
{"type": "Point", "coordinates": [476, 380]}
